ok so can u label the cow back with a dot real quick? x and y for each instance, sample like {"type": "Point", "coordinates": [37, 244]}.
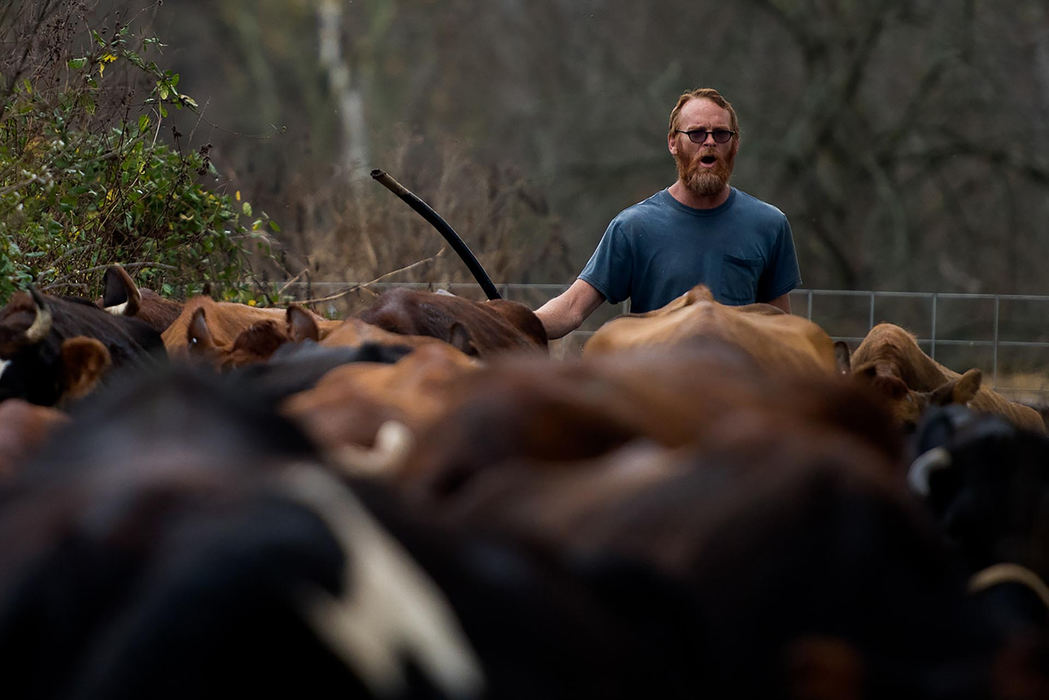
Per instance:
{"type": "Point", "coordinates": [475, 327]}
{"type": "Point", "coordinates": [777, 341]}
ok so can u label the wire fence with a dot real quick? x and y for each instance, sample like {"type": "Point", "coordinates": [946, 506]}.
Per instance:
{"type": "Point", "coordinates": [1006, 336]}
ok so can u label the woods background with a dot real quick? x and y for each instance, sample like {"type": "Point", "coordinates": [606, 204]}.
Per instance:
{"type": "Point", "coordinates": [906, 140]}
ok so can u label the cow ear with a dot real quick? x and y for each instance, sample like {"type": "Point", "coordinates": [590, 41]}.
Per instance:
{"type": "Point", "coordinates": [198, 335]}
{"type": "Point", "coordinates": [887, 382]}
{"type": "Point", "coordinates": [84, 361]}
{"type": "Point", "coordinates": [960, 391]}
{"type": "Point", "coordinates": [121, 291]}
{"type": "Point", "coordinates": [301, 325]}
{"type": "Point", "coordinates": [842, 357]}
{"type": "Point", "coordinates": [459, 337]}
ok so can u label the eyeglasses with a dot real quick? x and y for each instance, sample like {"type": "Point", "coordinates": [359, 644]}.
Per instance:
{"type": "Point", "coordinates": [700, 135]}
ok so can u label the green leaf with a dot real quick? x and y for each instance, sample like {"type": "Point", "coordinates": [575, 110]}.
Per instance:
{"type": "Point", "coordinates": [246, 208]}
{"type": "Point", "coordinates": [77, 63]}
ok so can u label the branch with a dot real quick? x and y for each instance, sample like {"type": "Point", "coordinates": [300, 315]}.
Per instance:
{"type": "Point", "coordinates": [65, 280]}
{"type": "Point", "coordinates": [364, 285]}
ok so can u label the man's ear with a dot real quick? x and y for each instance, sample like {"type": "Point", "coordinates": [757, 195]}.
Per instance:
{"type": "Point", "coordinates": [672, 143]}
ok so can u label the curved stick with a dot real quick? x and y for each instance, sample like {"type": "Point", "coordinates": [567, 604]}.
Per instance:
{"type": "Point", "coordinates": [457, 243]}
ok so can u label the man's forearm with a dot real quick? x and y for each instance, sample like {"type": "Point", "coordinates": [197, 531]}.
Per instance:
{"type": "Point", "coordinates": [557, 319]}
{"type": "Point", "coordinates": [567, 311]}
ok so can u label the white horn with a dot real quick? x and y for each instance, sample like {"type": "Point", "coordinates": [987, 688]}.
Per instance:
{"type": "Point", "coordinates": [41, 325]}
{"type": "Point", "coordinates": [918, 475]}
{"type": "Point", "coordinates": [997, 574]}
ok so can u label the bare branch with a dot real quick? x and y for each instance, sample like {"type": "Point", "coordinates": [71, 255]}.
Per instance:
{"type": "Point", "coordinates": [363, 286]}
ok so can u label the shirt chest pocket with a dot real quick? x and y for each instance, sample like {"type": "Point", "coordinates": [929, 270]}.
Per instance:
{"type": "Point", "coordinates": [739, 279]}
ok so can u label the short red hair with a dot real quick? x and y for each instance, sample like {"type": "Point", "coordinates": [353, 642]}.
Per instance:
{"type": "Point", "coordinates": [703, 94]}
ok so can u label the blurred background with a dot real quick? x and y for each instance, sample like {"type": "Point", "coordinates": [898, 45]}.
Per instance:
{"type": "Point", "coordinates": [906, 140]}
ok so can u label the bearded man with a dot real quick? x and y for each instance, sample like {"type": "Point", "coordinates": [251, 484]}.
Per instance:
{"type": "Point", "coordinates": [700, 230]}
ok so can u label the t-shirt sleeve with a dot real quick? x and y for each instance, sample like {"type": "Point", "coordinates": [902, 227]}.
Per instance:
{"type": "Point", "coordinates": [782, 274]}
{"type": "Point", "coordinates": [610, 269]}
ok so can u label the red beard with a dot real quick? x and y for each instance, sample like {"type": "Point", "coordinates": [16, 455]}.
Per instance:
{"type": "Point", "coordinates": [705, 182]}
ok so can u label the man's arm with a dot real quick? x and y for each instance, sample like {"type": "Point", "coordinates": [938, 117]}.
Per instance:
{"type": "Point", "coordinates": [782, 302]}
{"type": "Point", "coordinates": [564, 313]}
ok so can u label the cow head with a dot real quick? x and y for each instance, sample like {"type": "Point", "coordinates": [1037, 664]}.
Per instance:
{"type": "Point", "coordinates": [908, 404]}
{"type": "Point", "coordinates": [254, 344]}
{"type": "Point", "coordinates": [40, 366]}
{"type": "Point", "coordinates": [26, 352]}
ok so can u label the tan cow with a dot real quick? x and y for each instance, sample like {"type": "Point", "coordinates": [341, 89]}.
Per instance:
{"type": "Point", "coordinates": [890, 360]}
{"type": "Point", "coordinates": [777, 341]}
{"type": "Point", "coordinates": [215, 331]}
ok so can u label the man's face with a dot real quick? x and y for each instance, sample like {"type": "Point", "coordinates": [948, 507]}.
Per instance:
{"type": "Point", "coordinates": [705, 168]}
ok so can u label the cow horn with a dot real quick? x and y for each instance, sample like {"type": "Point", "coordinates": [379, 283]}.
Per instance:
{"type": "Point", "coordinates": [1006, 572]}
{"type": "Point", "coordinates": [926, 462]}
{"type": "Point", "coordinates": [41, 325]}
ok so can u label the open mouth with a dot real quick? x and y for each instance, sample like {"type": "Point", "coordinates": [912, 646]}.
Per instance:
{"type": "Point", "coordinates": [708, 160]}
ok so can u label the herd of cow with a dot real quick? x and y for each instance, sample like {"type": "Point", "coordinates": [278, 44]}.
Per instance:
{"type": "Point", "coordinates": [203, 499]}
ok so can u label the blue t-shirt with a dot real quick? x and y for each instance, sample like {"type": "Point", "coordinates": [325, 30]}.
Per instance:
{"type": "Point", "coordinates": [658, 249]}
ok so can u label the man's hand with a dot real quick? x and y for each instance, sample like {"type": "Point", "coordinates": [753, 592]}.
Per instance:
{"type": "Point", "coordinates": [565, 312]}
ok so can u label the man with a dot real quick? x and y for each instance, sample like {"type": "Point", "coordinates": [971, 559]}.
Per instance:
{"type": "Point", "coordinates": [698, 230]}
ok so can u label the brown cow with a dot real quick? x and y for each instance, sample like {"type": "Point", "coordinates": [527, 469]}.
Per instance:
{"type": "Point", "coordinates": [810, 557]}
{"type": "Point", "coordinates": [478, 328]}
{"type": "Point", "coordinates": [228, 335]}
{"type": "Point", "coordinates": [351, 402]}
{"type": "Point", "coordinates": [24, 427]}
{"type": "Point", "coordinates": [573, 410]}
{"type": "Point", "coordinates": [777, 341]}
{"type": "Point", "coordinates": [890, 360]}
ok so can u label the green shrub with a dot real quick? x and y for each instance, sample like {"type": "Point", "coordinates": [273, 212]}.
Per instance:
{"type": "Point", "coordinates": [80, 190]}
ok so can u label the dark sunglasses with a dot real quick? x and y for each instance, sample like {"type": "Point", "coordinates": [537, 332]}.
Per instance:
{"type": "Point", "coordinates": [700, 135]}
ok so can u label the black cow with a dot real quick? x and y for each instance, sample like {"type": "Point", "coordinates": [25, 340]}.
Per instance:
{"type": "Point", "coordinates": [36, 362]}
{"type": "Point", "coordinates": [178, 539]}
{"type": "Point", "coordinates": [986, 482]}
